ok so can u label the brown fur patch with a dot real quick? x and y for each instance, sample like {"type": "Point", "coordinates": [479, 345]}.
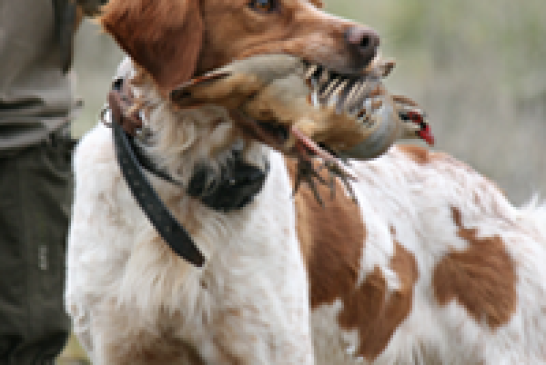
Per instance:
{"type": "Point", "coordinates": [482, 278]}
{"type": "Point", "coordinates": [423, 156]}
{"type": "Point", "coordinates": [332, 241]}
{"type": "Point", "coordinates": [164, 37]}
{"type": "Point", "coordinates": [318, 3]}
{"type": "Point", "coordinates": [418, 154]}
{"type": "Point", "coordinates": [373, 311]}
{"type": "Point", "coordinates": [331, 237]}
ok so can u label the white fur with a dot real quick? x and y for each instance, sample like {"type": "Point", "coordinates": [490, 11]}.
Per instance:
{"type": "Point", "coordinates": [130, 296]}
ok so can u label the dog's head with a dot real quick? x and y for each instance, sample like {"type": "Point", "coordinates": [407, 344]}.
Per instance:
{"type": "Point", "coordinates": [173, 40]}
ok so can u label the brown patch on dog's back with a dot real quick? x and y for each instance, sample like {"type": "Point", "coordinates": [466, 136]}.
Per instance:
{"type": "Point", "coordinates": [332, 239]}
{"type": "Point", "coordinates": [373, 311]}
{"type": "Point", "coordinates": [418, 154]}
{"type": "Point", "coordinates": [482, 278]}
{"type": "Point", "coordinates": [332, 242]}
{"type": "Point", "coordinates": [422, 156]}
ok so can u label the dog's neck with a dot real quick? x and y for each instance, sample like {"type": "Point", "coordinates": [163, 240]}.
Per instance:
{"type": "Point", "coordinates": [199, 147]}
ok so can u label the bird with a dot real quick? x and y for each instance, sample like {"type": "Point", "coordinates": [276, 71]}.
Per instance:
{"type": "Point", "coordinates": [306, 110]}
{"type": "Point", "coordinates": [354, 115]}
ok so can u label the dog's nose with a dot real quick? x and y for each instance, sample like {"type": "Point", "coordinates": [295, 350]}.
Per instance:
{"type": "Point", "coordinates": [364, 42]}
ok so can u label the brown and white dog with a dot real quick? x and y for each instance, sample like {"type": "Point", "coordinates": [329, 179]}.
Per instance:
{"type": "Point", "coordinates": [432, 266]}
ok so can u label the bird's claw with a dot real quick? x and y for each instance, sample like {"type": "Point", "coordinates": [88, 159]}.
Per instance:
{"type": "Point", "coordinates": [305, 148]}
{"type": "Point", "coordinates": [336, 171]}
{"type": "Point", "coordinates": [306, 172]}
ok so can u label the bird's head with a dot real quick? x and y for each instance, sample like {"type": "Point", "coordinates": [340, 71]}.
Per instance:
{"type": "Point", "coordinates": [415, 125]}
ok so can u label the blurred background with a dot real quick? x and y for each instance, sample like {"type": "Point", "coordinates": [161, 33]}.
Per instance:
{"type": "Point", "coordinates": [478, 69]}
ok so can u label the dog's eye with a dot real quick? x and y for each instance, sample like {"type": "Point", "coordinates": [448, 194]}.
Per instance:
{"type": "Point", "coordinates": [264, 6]}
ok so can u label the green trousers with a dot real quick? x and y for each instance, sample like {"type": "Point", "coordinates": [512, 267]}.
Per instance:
{"type": "Point", "coordinates": [35, 199]}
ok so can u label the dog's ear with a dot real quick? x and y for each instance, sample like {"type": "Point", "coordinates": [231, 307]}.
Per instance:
{"type": "Point", "coordinates": [162, 36]}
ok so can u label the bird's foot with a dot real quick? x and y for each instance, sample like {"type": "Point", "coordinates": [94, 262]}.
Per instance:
{"type": "Point", "coordinates": [306, 171]}
{"type": "Point", "coordinates": [335, 170]}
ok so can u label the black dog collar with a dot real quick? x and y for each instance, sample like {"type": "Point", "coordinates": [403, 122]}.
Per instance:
{"type": "Point", "coordinates": [236, 188]}
{"type": "Point", "coordinates": [165, 224]}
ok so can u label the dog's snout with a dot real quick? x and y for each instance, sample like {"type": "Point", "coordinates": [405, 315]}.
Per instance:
{"type": "Point", "coordinates": [364, 42]}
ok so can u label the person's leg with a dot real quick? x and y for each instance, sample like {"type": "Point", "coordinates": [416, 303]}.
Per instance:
{"type": "Point", "coordinates": [35, 197]}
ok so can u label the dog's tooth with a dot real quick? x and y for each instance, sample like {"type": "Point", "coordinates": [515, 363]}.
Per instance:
{"type": "Point", "coordinates": [310, 71]}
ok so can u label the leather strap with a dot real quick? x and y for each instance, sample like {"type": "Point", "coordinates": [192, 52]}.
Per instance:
{"type": "Point", "coordinates": [124, 127]}
{"type": "Point", "coordinates": [166, 225]}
